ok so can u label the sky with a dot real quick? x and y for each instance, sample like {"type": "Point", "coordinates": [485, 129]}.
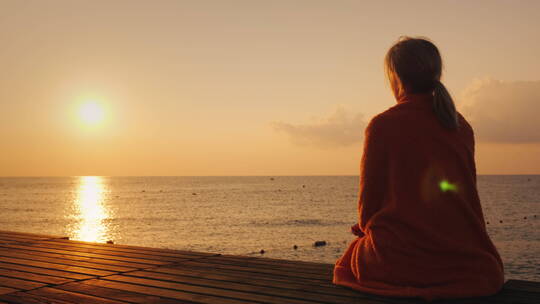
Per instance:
{"type": "Point", "coordinates": [249, 87]}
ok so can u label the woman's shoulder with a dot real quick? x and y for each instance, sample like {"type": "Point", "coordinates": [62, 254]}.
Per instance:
{"type": "Point", "coordinates": [396, 120]}
{"type": "Point", "coordinates": [385, 120]}
{"type": "Point", "coordinates": [378, 123]}
{"type": "Point", "coordinates": [381, 126]}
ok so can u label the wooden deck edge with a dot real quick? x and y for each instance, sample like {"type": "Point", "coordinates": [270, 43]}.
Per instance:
{"type": "Point", "coordinates": [210, 272]}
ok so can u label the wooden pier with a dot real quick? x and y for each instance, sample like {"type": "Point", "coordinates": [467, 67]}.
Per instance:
{"type": "Point", "coordinates": [48, 269]}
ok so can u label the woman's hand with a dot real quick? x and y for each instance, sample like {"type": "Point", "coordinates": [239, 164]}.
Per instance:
{"type": "Point", "coordinates": [355, 229]}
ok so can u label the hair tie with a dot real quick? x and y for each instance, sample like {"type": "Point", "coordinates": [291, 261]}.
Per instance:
{"type": "Point", "coordinates": [437, 83]}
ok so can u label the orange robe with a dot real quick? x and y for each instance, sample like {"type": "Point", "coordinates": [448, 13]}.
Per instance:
{"type": "Point", "coordinates": [419, 210]}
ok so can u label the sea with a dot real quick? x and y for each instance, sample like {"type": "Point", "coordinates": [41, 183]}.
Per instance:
{"type": "Point", "coordinates": [270, 216]}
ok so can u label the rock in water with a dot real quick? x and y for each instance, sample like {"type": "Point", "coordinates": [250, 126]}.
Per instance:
{"type": "Point", "coordinates": [319, 243]}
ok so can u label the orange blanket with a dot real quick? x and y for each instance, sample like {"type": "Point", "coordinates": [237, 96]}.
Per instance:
{"type": "Point", "coordinates": [422, 228]}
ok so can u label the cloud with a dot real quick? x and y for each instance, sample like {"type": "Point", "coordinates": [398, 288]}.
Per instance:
{"type": "Point", "coordinates": [337, 130]}
{"type": "Point", "coordinates": [499, 112]}
{"type": "Point", "coordinates": [504, 112]}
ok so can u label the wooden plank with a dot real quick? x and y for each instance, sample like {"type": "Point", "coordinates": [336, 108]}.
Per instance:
{"type": "Point", "coordinates": [2, 242]}
{"type": "Point", "coordinates": [206, 290]}
{"type": "Point", "coordinates": [262, 280]}
{"type": "Point", "coordinates": [69, 296]}
{"type": "Point", "coordinates": [22, 238]}
{"type": "Point", "coordinates": [98, 250]}
{"type": "Point", "coordinates": [67, 262]}
{"type": "Point", "coordinates": [150, 258]}
{"type": "Point", "coordinates": [303, 277]}
{"type": "Point", "coordinates": [19, 284]}
{"type": "Point", "coordinates": [69, 259]}
{"type": "Point", "coordinates": [271, 261]}
{"type": "Point", "coordinates": [451, 301]}
{"type": "Point", "coordinates": [316, 286]}
{"type": "Point", "coordinates": [115, 294]}
{"type": "Point", "coordinates": [27, 234]}
{"type": "Point", "coordinates": [248, 266]}
{"type": "Point", "coordinates": [167, 293]}
{"type": "Point", "coordinates": [521, 285]}
{"type": "Point", "coordinates": [245, 287]}
{"type": "Point", "coordinates": [32, 277]}
{"type": "Point", "coordinates": [9, 238]}
{"type": "Point", "coordinates": [239, 271]}
{"type": "Point", "coordinates": [76, 269]}
{"type": "Point", "coordinates": [4, 290]}
{"type": "Point", "coordinates": [131, 249]}
{"type": "Point", "coordinates": [26, 298]}
{"type": "Point", "coordinates": [45, 271]}
{"type": "Point", "coordinates": [15, 241]}
{"type": "Point", "coordinates": [84, 256]}
{"type": "Point", "coordinates": [510, 296]}
{"type": "Point", "coordinates": [260, 263]}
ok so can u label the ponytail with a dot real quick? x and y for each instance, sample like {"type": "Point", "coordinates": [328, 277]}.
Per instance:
{"type": "Point", "coordinates": [444, 107]}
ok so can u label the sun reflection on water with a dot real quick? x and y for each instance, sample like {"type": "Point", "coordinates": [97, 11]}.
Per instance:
{"type": "Point", "coordinates": [91, 210]}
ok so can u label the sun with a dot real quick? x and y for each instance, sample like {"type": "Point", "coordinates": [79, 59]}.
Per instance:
{"type": "Point", "coordinates": [91, 113]}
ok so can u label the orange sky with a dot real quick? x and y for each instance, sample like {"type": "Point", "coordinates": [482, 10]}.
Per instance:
{"type": "Point", "coordinates": [249, 87]}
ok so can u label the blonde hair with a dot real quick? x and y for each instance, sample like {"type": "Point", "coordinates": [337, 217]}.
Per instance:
{"type": "Point", "coordinates": [414, 65]}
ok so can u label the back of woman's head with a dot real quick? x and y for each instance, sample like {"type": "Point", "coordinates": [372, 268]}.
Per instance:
{"type": "Point", "coordinates": [414, 66]}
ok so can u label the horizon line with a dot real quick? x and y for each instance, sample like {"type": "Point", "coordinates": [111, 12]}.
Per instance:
{"type": "Point", "coordinates": [291, 175]}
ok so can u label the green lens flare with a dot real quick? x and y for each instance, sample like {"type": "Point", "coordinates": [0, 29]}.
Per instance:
{"type": "Point", "coordinates": [447, 186]}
